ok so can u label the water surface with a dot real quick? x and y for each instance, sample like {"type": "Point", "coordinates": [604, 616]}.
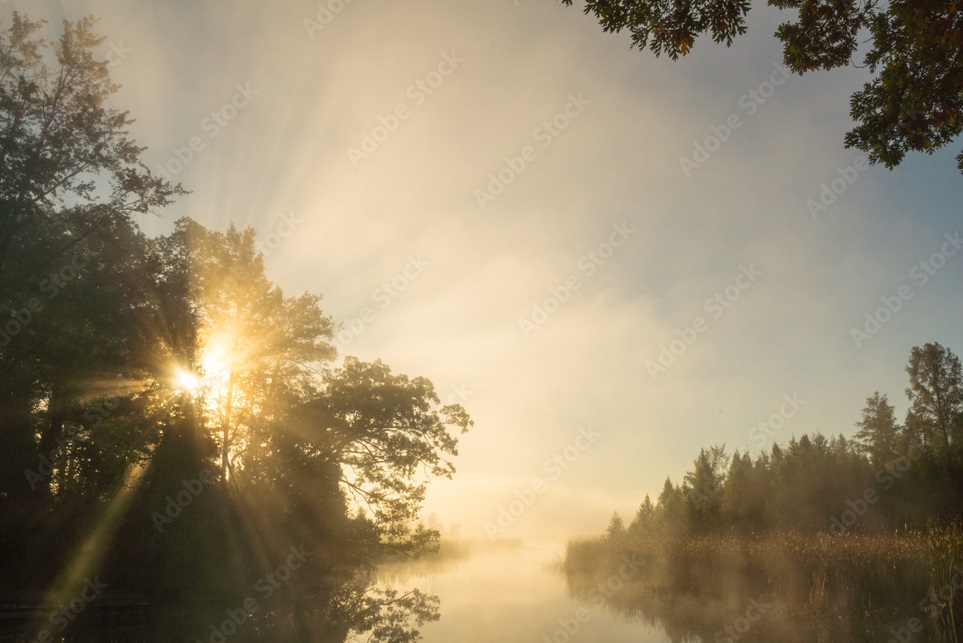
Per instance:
{"type": "Point", "coordinates": [512, 594]}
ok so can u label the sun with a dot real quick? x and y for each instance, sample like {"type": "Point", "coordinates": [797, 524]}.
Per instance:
{"type": "Point", "coordinates": [186, 381]}
{"type": "Point", "coordinates": [213, 370]}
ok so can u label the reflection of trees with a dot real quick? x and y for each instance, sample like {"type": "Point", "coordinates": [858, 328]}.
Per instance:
{"type": "Point", "coordinates": [141, 367]}
{"type": "Point", "coordinates": [783, 587]}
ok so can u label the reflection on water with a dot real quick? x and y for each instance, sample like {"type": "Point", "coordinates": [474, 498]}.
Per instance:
{"type": "Point", "coordinates": [512, 593]}
{"type": "Point", "coordinates": [521, 593]}
{"type": "Point", "coordinates": [788, 587]}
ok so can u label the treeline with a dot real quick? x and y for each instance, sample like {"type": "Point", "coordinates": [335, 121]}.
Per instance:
{"type": "Point", "coordinates": [177, 441]}
{"type": "Point", "coordinates": [889, 475]}
{"type": "Point", "coordinates": [821, 539]}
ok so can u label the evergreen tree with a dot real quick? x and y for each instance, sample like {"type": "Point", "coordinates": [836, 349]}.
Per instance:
{"type": "Point", "coordinates": [878, 434]}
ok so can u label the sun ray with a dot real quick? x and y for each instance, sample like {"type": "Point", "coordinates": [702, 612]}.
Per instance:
{"type": "Point", "coordinates": [90, 554]}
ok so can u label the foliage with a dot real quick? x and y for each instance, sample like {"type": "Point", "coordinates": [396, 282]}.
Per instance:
{"type": "Point", "coordinates": [913, 469]}
{"type": "Point", "coordinates": [915, 98]}
{"type": "Point", "coordinates": [171, 422]}
{"type": "Point", "coordinates": [838, 535]}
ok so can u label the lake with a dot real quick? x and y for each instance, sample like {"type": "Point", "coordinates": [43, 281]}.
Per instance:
{"type": "Point", "coordinates": [512, 593]}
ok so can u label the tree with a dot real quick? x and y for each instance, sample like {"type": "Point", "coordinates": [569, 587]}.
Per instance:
{"type": "Point", "coordinates": [65, 152]}
{"type": "Point", "coordinates": [616, 528]}
{"type": "Point", "coordinates": [743, 501]}
{"type": "Point", "coordinates": [133, 368]}
{"type": "Point", "coordinates": [878, 434]}
{"type": "Point", "coordinates": [671, 510]}
{"type": "Point", "coordinates": [387, 432]}
{"type": "Point", "coordinates": [704, 487]}
{"type": "Point", "coordinates": [915, 99]}
{"type": "Point", "coordinates": [71, 180]}
{"type": "Point", "coordinates": [644, 518]}
{"type": "Point", "coordinates": [255, 349]}
{"type": "Point", "coordinates": [936, 395]}
{"type": "Point", "coordinates": [259, 379]}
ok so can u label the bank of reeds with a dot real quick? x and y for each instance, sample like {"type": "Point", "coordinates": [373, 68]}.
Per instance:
{"type": "Point", "coordinates": [857, 586]}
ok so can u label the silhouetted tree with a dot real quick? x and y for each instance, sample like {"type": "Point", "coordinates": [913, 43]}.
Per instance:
{"type": "Point", "coordinates": [671, 510]}
{"type": "Point", "coordinates": [703, 488]}
{"type": "Point", "coordinates": [936, 396]}
{"type": "Point", "coordinates": [878, 434]}
{"type": "Point", "coordinates": [744, 498]}
{"type": "Point", "coordinates": [71, 180]}
{"type": "Point", "coordinates": [915, 98]}
{"type": "Point", "coordinates": [644, 518]}
{"type": "Point", "coordinates": [133, 369]}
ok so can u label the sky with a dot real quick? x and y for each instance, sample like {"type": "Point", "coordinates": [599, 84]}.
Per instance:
{"type": "Point", "coordinates": [610, 259]}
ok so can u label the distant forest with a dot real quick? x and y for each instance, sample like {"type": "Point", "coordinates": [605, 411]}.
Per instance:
{"type": "Point", "coordinates": [889, 475]}
{"type": "Point", "coordinates": [181, 458]}
{"type": "Point", "coordinates": [823, 539]}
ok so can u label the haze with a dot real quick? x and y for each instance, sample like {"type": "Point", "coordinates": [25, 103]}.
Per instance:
{"type": "Point", "coordinates": [545, 213]}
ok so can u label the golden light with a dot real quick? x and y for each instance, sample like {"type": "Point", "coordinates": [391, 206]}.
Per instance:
{"type": "Point", "coordinates": [212, 372]}
{"type": "Point", "coordinates": [215, 360]}
{"type": "Point", "coordinates": [187, 381]}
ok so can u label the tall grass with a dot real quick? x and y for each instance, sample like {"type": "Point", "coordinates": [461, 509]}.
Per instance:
{"type": "Point", "coordinates": [822, 587]}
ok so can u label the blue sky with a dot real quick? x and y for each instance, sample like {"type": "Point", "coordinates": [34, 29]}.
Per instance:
{"type": "Point", "coordinates": [452, 94]}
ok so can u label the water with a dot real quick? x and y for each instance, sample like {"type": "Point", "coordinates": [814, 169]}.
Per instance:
{"type": "Point", "coordinates": [512, 594]}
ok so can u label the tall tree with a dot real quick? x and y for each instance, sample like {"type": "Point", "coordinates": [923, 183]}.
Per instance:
{"type": "Point", "coordinates": [644, 517]}
{"type": "Point", "coordinates": [743, 501]}
{"type": "Point", "coordinates": [704, 487]}
{"type": "Point", "coordinates": [255, 348]}
{"type": "Point", "coordinates": [66, 153]}
{"type": "Point", "coordinates": [71, 180]}
{"type": "Point", "coordinates": [671, 509]}
{"type": "Point", "coordinates": [915, 98]}
{"type": "Point", "coordinates": [616, 528]}
{"type": "Point", "coordinates": [878, 434]}
{"type": "Point", "coordinates": [936, 395]}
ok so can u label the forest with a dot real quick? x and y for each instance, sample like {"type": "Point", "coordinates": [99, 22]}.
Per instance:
{"type": "Point", "coordinates": [182, 455]}
{"type": "Point", "coordinates": [847, 539]}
